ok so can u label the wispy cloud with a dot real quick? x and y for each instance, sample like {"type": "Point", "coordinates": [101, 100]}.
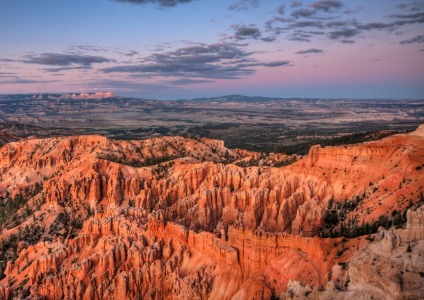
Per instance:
{"type": "Point", "coordinates": [159, 3]}
{"type": "Point", "coordinates": [330, 19]}
{"type": "Point", "coordinates": [244, 5]}
{"type": "Point", "coordinates": [246, 32]}
{"type": "Point", "coordinates": [327, 5]}
{"type": "Point", "coordinates": [344, 33]}
{"type": "Point", "coordinates": [417, 39]}
{"type": "Point", "coordinates": [309, 51]}
{"type": "Point", "coordinates": [58, 59]}
{"type": "Point", "coordinates": [207, 61]}
{"type": "Point", "coordinates": [303, 13]}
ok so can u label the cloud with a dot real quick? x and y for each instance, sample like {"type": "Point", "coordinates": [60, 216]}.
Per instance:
{"type": "Point", "coordinates": [281, 9]}
{"type": "Point", "coordinates": [274, 64]}
{"type": "Point", "coordinates": [336, 27]}
{"type": "Point", "coordinates": [303, 24]}
{"type": "Point", "coordinates": [303, 36]}
{"type": "Point", "coordinates": [299, 36]}
{"type": "Point", "coordinates": [375, 25]}
{"type": "Point", "coordinates": [246, 32]}
{"type": "Point", "coordinates": [159, 3]}
{"type": "Point", "coordinates": [327, 5]}
{"type": "Point", "coordinates": [131, 53]}
{"type": "Point", "coordinates": [244, 5]}
{"type": "Point", "coordinates": [59, 69]}
{"type": "Point", "coordinates": [347, 41]}
{"type": "Point", "coordinates": [207, 61]}
{"type": "Point", "coordinates": [308, 51]}
{"type": "Point", "coordinates": [85, 48]}
{"type": "Point", "coordinates": [56, 59]}
{"type": "Point", "coordinates": [344, 33]}
{"type": "Point", "coordinates": [269, 39]}
{"type": "Point", "coordinates": [417, 39]}
{"type": "Point", "coordinates": [302, 13]}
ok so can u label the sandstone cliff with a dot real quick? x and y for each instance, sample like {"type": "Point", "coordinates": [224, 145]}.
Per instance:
{"type": "Point", "coordinates": [177, 218]}
{"type": "Point", "coordinates": [390, 267]}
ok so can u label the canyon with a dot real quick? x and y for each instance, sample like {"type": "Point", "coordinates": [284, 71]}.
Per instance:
{"type": "Point", "coordinates": [189, 218]}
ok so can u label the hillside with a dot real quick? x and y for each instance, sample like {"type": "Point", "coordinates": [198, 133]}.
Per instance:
{"type": "Point", "coordinates": [177, 218]}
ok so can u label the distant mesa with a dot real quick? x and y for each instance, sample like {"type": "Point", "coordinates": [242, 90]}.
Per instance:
{"type": "Point", "coordinates": [77, 96]}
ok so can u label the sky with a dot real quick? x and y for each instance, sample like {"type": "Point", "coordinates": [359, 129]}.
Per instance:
{"type": "Point", "coordinates": [173, 49]}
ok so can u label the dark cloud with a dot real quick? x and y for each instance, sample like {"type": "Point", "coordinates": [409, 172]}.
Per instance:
{"type": "Point", "coordinates": [207, 61]}
{"type": "Point", "coordinates": [409, 16]}
{"type": "Point", "coordinates": [281, 9]}
{"type": "Point", "coordinates": [335, 26]}
{"type": "Point", "coordinates": [339, 24]}
{"type": "Point", "coordinates": [131, 53]}
{"type": "Point", "coordinates": [302, 13]}
{"type": "Point", "coordinates": [344, 33]}
{"type": "Point", "coordinates": [246, 32]}
{"type": "Point", "coordinates": [244, 5]}
{"type": "Point", "coordinates": [269, 39]}
{"type": "Point", "coordinates": [299, 36]}
{"type": "Point", "coordinates": [56, 59]}
{"type": "Point", "coordinates": [402, 6]}
{"type": "Point", "coordinates": [303, 24]}
{"type": "Point", "coordinates": [374, 26]}
{"type": "Point", "coordinates": [6, 60]}
{"type": "Point", "coordinates": [327, 5]}
{"type": "Point", "coordinates": [417, 39]}
{"type": "Point", "coordinates": [347, 41]}
{"type": "Point", "coordinates": [275, 64]}
{"type": "Point", "coordinates": [303, 36]}
{"type": "Point", "coordinates": [60, 69]}
{"type": "Point", "coordinates": [309, 51]}
{"type": "Point", "coordinates": [159, 3]}
{"type": "Point", "coordinates": [405, 19]}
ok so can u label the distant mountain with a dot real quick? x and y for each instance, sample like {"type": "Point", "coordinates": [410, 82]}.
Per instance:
{"type": "Point", "coordinates": [238, 98]}
{"type": "Point", "coordinates": [49, 96]}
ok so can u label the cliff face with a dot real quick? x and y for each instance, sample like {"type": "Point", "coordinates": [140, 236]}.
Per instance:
{"type": "Point", "coordinates": [119, 219]}
{"type": "Point", "coordinates": [389, 267]}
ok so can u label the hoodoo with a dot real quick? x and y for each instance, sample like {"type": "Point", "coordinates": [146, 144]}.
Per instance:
{"type": "Point", "coordinates": [178, 218]}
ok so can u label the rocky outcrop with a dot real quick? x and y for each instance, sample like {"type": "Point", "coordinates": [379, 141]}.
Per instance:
{"type": "Point", "coordinates": [122, 218]}
{"type": "Point", "coordinates": [390, 267]}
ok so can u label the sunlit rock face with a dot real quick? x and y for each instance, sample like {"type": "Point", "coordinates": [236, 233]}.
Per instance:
{"type": "Point", "coordinates": [177, 218]}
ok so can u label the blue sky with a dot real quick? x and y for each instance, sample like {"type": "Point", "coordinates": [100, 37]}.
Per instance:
{"type": "Point", "coordinates": [168, 49]}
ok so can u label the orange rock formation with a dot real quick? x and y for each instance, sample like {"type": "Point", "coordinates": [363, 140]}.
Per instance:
{"type": "Point", "coordinates": [172, 218]}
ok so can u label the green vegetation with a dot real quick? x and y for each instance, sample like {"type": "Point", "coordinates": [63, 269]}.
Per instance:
{"type": "Point", "coordinates": [337, 225]}
{"type": "Point", "coordinates": [9, 247]}
{"type": "Point", "coordinates": [261, 161]}
{"type": "Point", "coordinates": [13, 211]}
{"type": "Point", "coordinates": [65, 225]}
{"type": "Point", "coordinates": [9, 207]}
{"type": "Point", "coordinates": [147, 162]}
{"type": "Point", "coordinates": [355, 138]}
